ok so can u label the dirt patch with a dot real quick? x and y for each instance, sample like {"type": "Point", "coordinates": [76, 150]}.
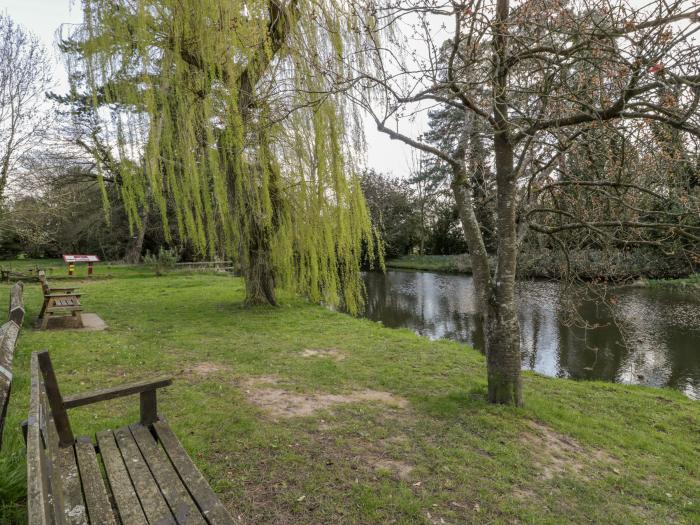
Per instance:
{"type": "Point", "coordinates": [399, 439]}
{"type": "Point", "coordinates": [260, 380]}
{"type": "Point", "coordinates": [558, 454]}
{"type": "Point", "coordinates": [332, 353]}
{"type": "Point", "coordinates": [280, 403]}
{"type": "Point", "coordinates": [204, 369]}
{"type": "Point", "coordinates": [524, 494]}
{"type": "Point", "coordinates": [399, 469]}
{"type": "Point", "coordinates": [89, 323]}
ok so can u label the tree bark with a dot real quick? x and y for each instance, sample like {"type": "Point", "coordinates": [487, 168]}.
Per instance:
{"type": "Point", "coordinates": [481, 272]}
{"type": "Point", "coordinates": [501, 326]}
{"type": "Point", "coordinates": [135, 245]}
{"type": "Point", "coordinates": [259, 277]}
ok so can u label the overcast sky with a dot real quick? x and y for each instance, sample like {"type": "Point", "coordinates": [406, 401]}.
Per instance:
{"type": "Point", "coordinates": [44, 18]}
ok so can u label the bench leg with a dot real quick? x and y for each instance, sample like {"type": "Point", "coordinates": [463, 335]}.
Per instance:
{"type": "Point", "coordinates": [149, 408]}
{"type": "Point", "coordinates": [45, 320]}
{"type": "Point", "coordinates": [79, 318]}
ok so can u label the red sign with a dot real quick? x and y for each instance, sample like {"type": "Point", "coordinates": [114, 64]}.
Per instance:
{"type": "Point", "coordinates": [81, 258]}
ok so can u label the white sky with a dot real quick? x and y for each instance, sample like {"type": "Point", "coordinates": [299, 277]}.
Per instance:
{"type": "Point", "coordinates": [44, 17]}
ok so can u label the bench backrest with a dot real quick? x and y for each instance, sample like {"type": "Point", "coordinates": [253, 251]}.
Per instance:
{"type": "Point", "coordinates": [44, 283]}
{"type": "Point", "coordinates": [16, 313]}
{"type": "Point", "coordinates": [47, 461]}
{"type": "Point", "coordinates": [8, 339]}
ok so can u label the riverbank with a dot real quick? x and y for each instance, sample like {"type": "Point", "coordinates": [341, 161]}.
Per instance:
{"type": "Point", "coordinates": [301, 415]}
{"type": "Point", "coordinates": [433, 263]}
{"type": "Point", "coordinates": [692, 281]}
{"type": "Point", "coordinates": [586, 265]}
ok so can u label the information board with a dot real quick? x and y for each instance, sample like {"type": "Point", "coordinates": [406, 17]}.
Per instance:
{"type": "Point", "coordinates": [81, 258]}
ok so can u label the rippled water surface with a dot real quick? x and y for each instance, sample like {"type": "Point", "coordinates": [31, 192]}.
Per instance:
{"type": "Point", "coordinates": [661, 326]}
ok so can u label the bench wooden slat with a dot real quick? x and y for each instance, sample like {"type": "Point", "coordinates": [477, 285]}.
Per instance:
{"type": "Point", "coordinates": [65, 482]}
{"type": "Point", "coordinates": [53, 462]}
{"type": "Point", "coordinates": [149, 494]}
{"type": "Point", "coordinates": [207, 501]}
{"type": "Point", "coordinates": [69, 307]}
{"type": "Point", "coordinates": [38, 505]}
{"type": "Point", "coordinates": [98, 506]}
{"type": "Point", "coordinates": [125, 498]}
{"type": "Point", "coordinates": [66, 465]}
{"type": "Point", "coordinates": [104, 394]}
{"type": "Point", "coordinates": [8, 339]}
{"type": "Point", "coordinates": [179, 500]}
{"type": "Point", "coordinates": [62, 300]}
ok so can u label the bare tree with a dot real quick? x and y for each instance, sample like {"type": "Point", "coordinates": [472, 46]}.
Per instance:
{"type": "Point", "coordinates": [539, 74]}
{"type": "Point", "coordinates": [25, 74]}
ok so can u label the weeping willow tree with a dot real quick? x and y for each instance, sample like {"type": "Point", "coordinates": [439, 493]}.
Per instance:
{"type": "Point", "coordinates": [233, 133]}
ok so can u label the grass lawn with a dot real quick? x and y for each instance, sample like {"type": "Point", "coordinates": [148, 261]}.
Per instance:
{"type": "Point", "coordinates": [297, 414]}
{"type": "Point", "coordinates": [435, 263]}
{"type": "Point", "coordinates": [692, 281]}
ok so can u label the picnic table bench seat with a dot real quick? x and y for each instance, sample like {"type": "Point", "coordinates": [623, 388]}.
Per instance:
{"type": "Point", "coordinates": [59, 302]}
{"type": "Point", "coordinates": [137, 474]}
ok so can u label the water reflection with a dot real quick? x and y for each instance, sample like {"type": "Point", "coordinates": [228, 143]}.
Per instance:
{"type": "Point", "coordinates": [662, 327]}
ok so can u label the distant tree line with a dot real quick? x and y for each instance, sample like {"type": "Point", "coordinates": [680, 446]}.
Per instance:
{"type": "Point", "coordinates": [412, 214]}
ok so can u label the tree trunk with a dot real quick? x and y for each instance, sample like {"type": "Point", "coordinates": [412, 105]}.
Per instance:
{"type": "Point", "coordinates": [258, 274]}
{"type": "Point", "coordinates": [501, 326]}
{"type": "Point", "coordinates": [258, 271]}
{"type": "Point", "coordinates": [502, 341]}
{"type": "Point", "coordinates": [135, 245]}
{"type": "Point", "coordinates": [472, 234]}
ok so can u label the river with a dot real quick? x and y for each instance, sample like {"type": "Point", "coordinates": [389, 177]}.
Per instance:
{"type": "Point", "coordinates": [661, 326]}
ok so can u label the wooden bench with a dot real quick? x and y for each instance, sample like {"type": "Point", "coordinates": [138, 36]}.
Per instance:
{"type": "Point", "coordinates": [59, 302]}
{"type": "Point", "coordinates": [8, 274]}
{"type": "Point", "coordinates": [219, 266]}
{"type": "Point", "coordinates": [148, 477]}
{"type": "Point", "coordinates": [9, 332]}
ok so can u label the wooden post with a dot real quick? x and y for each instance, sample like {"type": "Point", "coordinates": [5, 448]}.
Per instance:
{"type": "Point", "coordinates": [149, 408]}
{"type": "Point", "coordinates": [89, 269]}
{"type": "Point", "coordinates": [53, 394]}
{"type": "Point", "coordinates": [71, 267]}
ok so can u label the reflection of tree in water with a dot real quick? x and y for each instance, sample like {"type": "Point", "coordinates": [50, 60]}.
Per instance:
{"type": "Point", "coordinates": [432, 305]}
{"type": "Point", "coordinates": [664, 330]}
{"type": "Point", "coordinates": [646, 337]}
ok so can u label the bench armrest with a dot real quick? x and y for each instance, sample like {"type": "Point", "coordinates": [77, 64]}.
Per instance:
{"type": "Point", "coordinates": [55, 289]}
{"type": "Point", "coordinates": [63, 295]}
{"type": "Point", "coordinates": [139, 387]}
